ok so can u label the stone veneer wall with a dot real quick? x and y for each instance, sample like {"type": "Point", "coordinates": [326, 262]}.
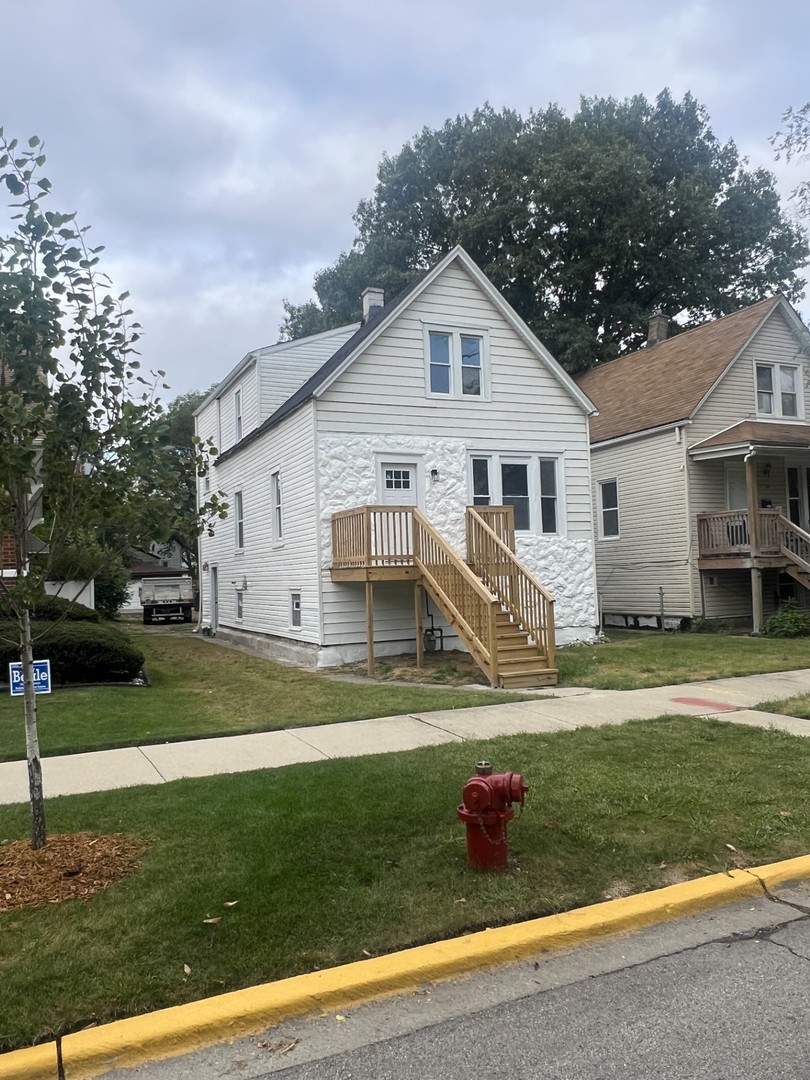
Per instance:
{"type": "Point", "coordinates": [348, 477]}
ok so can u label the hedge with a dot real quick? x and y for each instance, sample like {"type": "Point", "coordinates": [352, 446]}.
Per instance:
{"type": "Point", "coordinates": [52, 608]}
{"type": "Point", "coordinates": [79, 652]}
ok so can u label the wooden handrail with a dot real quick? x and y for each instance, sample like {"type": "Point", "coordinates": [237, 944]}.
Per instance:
{"type": "Point", "coordinates": [794, 542]}
{"type": "Point", "coordinates": [726, 532]}
{"type": "Point", "coordinates": [465, 600]}
{"type": "Point", "coordinates": [501, 519]}
{"type": "Point", "coordinates": [531, 605]}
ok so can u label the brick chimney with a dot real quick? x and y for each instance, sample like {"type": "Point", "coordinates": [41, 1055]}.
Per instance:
{"type": "Point", "coordinates": [373, 302]}
{"type": "Point", "coordinates": [659, 325]}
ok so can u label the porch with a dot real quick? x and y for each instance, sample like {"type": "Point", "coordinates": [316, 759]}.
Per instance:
{"type": "Point", "coordinates": [503, 615]}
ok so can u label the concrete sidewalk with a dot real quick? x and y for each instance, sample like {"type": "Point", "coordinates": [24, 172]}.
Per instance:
{"type": "Point", "coordinates": [569, 708]}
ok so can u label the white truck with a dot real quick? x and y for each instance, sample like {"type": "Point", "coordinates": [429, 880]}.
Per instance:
{"type": "Point", "coordinates": [167, 598]}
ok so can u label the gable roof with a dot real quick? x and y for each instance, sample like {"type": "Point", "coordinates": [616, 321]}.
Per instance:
{"type": "Point", "coordinates": [659, 386]}
{"type": "Point", "coordinates": [358, 342]}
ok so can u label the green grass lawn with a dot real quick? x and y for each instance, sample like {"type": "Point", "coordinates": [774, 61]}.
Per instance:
{"type": "Point", "coordinates": [335, 860]}
{"type": "Point", "coordinates": [201, 689]}
{"type": "Point", "coordinates": [792, 706]}
{"type": "Point", "coordinates": [630, 660]}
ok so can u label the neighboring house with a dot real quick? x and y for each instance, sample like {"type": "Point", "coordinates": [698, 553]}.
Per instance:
{"type": "Point", "coordinates": [701, 468]}
{"type": "Point", "coordinates": [350, 460]}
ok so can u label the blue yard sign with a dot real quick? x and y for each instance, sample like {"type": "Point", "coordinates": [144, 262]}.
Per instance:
{"type": "Point", "coordinates": [42, 678]}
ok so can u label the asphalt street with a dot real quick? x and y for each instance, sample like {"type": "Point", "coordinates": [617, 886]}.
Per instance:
{"type": "Point", "coordinates": [720, 995]}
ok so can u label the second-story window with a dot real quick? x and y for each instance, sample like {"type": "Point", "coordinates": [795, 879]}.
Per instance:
{"type": "Point", "coordinates": [278, 514]}
{"type": "Point", "coordinates": [239, 520]}
{"type": "Point", "coordinates": [237, 414]}
{"type": "Point", "coordinates": [778, 390]}
{"type": "Point", "coordinates": [456, 364]}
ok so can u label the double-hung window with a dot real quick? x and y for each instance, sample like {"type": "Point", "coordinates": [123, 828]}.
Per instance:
{"type": "Point", "coordinates": [778, 390]}
{"type": "Point", "coordinates": [239, 520]}
{"type": "Point", "coordinates": [456, 364]}
{"type": "Point", "coordinates": [528, 484]}
{"type": "Point", "coordinates": [608, 509]}
{"type": "Point", "coordinates": [295, 610]}
{"type": "Point", "coordinates": [278, 516]}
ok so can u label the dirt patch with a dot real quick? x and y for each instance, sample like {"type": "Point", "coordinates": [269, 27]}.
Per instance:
{"type": "Point", "coordinates": [71, 866]}
{"type": "Point", "coordinates": [617, 890]}
{"type": "Point", "coordinates": [451, 668]}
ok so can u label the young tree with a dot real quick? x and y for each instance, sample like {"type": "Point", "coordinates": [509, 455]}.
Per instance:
{"type": "Point", "coordinates": [76, 415]}
{"type": "Point", "coordinates": [794, 142]}
{"type": "Point", "coordinates": [587, 223]}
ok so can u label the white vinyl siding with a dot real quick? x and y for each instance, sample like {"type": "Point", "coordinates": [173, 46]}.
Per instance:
{"type": "Point", "coordinates": [271, 571]}
{"type": "Point", "coordinates": [652, 551]}
{"type": "Point", "coordinates": [285, 367]}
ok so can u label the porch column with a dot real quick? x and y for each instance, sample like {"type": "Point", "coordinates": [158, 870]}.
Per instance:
{"type": "Point", "coordinates": [756, 599]}
{"type": "Point", "coordinates": [370, 625]}
{"type": "Point", "coordinates": [753, 506]}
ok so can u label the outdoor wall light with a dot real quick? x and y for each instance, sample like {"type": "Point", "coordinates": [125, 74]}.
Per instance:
{"type": "Point", "coordinates": [766, 469]}
{"type": "Point", "coordinates": [434, 476]}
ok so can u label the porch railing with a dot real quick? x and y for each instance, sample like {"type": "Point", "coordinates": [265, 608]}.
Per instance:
{"type": "Point", "coordinates": [369, 536]}
{"type": "Point", "coordinates": [727, 533]}
{"type": "Point", "coordinates": [501, 519]}
{"type": "Point", "coordinates": [795, 543]}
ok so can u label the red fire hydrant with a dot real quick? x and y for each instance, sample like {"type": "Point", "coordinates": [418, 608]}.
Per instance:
{"type": "Point", "coordinates": [486, 810]}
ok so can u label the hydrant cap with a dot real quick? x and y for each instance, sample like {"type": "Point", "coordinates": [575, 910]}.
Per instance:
{"type": "Point", "coordinates": [483, 768]}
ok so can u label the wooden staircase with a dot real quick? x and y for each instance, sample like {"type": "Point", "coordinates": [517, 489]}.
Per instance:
{"type": "Point", "coordinates": [795, 546]}
{"type": "Point", "coordinates": [502, 614]}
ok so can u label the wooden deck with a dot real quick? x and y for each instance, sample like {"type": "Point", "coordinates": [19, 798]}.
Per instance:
{"type": "Point", "coordinates": [724, 540]}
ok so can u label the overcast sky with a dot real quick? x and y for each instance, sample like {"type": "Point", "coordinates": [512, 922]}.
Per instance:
{"type": "Point", "coordinates": [219, 149]}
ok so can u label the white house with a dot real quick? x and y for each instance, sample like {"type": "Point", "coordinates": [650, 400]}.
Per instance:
{"type": "Point", "coordinates": [701, 464]}
{"type": "Point", "coordinates": [364, 465]}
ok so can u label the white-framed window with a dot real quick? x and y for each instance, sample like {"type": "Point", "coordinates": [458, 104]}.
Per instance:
{"type": "Point", "coordinates": [240, 605]}
{"type": "Point", "coordinates": [456, 363]}
{"type": "Point", "coordinates": [237, 414]}
{"type": "Point", "coordinates": [295, 610]}
{"type": "Point", "coordinates": [608, 509]}
{"type": "Point", "coordinates": [206, 484]}
{"type": "Point", "coordinates": [778, 390]}
{"type": "Point", "coordinates": [278, 513]}
{"type": "Point", "coordinates": [530, 484]}
{"type": "Point", "coordinates": [239, 520]}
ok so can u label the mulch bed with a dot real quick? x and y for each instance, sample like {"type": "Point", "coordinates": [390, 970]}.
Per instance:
{"type": "Point", "coordinates": [71, 866]}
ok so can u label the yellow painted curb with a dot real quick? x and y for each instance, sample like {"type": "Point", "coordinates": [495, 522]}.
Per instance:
{"type": "Point", "coordinates": [185, 1028]}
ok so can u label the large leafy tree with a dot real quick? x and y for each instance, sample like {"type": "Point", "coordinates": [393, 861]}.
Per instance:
{"type": "Point", "coordinates": [175, 432]}
{"type": "Point", "coordinates": [793, 142]}
{"type": "Point", "coordinates": [587, 223]}
{"type": "Point", "coordinates": [77, 417]}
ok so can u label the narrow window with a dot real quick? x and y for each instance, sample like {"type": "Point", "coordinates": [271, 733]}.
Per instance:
{"type": "Point", "coordinates": [237, 414]}
{"type": "Point", "coordinates": [548, 495]}
{"type": "Point", "coordinates": [278, 520]}
{"type": "Point", "coordinates": [609, 507]}
{"type": "Point", "coordinates": [239, 604]}
{"type": "Point", "coordinates": [790, 397]}
{"type": "Point", "coordinates": [794, 495]}
{"type": "Point", "coordinates": [515, 490]}
{"type": "Point", "coordinates": [239, 520]}
{"type": "Point", "coordinates": [764, 389]}
{"type": "Point", "coordinates": [439, 363]}
{"type": "Point", "coordinates": [480, 476]}
{"type": "Point", "coordinates": [471, 366]}
{"type": "Point", "coordinates": [295, 610]}
{"type": "Point", "coordinates": [207, 481]}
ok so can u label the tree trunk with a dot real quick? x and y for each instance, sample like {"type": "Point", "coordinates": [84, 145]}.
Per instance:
{"type": "Point", "coordinates": [38, 835]}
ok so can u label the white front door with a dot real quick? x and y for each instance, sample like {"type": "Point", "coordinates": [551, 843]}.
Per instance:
{"type": "Point", "coordinates": [398, 483]}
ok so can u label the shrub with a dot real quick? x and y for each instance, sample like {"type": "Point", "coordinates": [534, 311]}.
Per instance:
{"type": "Point", "coordinates": [111, 587]}
{"type": "Point", "coordinates": [53, 608]}
{"type": "Point", "coordinates": [787, 622]}
{"type": "Point", "coordinates": [78, 651]}
{"type": "Point", "coordinates": [699, 625]}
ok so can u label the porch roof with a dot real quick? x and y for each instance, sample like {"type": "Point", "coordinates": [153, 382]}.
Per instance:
{"type": "Point", "coordinates": [750, 434]}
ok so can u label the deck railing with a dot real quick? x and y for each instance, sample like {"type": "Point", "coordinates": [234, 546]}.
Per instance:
{"type": "Point", "coordinates": [531, 606]}
{"type": "Point", "coordinates": [727, 533]}
{"type": "Point", "coordinates": [795, 543]}
{"type": "Point", "coordinates": [369, 536]}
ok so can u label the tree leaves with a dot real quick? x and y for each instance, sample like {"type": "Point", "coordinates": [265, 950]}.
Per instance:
{"type": "Point", "coordinates": [586, 223]}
